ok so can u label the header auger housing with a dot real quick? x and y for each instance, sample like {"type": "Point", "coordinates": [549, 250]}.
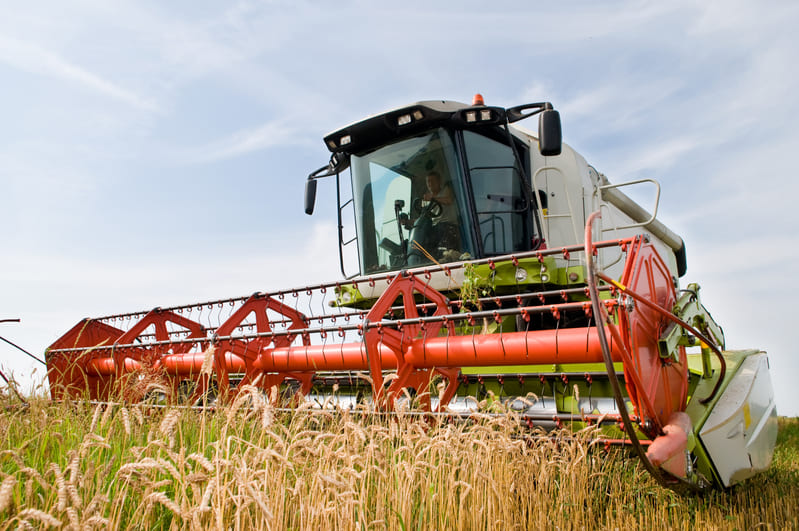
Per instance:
{"type": "Point", "coordinates": [476, 276]}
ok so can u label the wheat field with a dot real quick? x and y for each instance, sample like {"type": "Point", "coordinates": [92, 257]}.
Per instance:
{"type": "Point", "coordinates": [248, 466]}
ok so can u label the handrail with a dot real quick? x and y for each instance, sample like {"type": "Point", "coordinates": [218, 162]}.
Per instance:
{"type": "Point", "coordinates": [570, 214]}
{"type": "Point", "coordinates": [629, 183]}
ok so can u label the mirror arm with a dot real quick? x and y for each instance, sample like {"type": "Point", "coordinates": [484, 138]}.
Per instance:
{"type": "Point", "coordinates": [514, 114]}
{"type": "Point", "coordinates": [338, 162]}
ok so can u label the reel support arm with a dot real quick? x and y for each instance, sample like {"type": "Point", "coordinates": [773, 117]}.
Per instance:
{"type": "Point", "coordinates": [670, 316]}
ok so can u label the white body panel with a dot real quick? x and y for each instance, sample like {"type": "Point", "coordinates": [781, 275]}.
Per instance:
{"type": "Point", "coordinates": [572, 188]}
{"type": "Point", "coordinates": [741, 431]}
{"type": "Point", "coordinates": [438, 280]}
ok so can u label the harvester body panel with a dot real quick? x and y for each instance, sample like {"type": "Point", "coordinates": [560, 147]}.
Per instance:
{"type": "Point", "coordinates": [741, 430]}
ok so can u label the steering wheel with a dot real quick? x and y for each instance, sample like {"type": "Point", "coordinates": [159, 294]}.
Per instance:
{"type": "Point", "coordinates": [432, 210]}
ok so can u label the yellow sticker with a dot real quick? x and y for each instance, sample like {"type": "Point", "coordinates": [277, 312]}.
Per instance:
{"type": "Point", "coordinates": [747, 416]}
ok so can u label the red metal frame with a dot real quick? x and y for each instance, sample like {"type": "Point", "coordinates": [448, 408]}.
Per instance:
{"type": "Point", "coordinates": [102, 359]}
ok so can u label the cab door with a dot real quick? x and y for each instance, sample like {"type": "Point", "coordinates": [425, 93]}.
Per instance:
{"type": "Point", "coordinates": [502, 206]}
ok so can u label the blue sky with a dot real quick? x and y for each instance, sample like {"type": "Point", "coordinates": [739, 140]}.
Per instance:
{"type": "Point", "coordinates": [155, 153]}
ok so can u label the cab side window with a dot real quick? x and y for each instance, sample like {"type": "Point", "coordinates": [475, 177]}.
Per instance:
{"type": "Point", "coordinates": [503, 210]}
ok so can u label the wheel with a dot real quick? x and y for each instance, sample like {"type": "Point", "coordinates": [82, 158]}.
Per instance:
{"type": "Point", "coordinates": [432, 209]}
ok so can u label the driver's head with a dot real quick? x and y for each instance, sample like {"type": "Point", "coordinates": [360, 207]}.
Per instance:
{"type": "Point", "coordinates": [434, 182]}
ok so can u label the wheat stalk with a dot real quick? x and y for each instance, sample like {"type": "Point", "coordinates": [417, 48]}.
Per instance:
{"type": "Point", "coordinates": [123, 412]}
{"type": "Point", "coordinates": [109, 409]}
{"type": "Point", "coordinates": [96, 417]}
{"type": "Point", "coordinates": [207, 367]}
{"type": "Point", "coordinates": [72, 515]}
{"type": "Point", "coordinates": [7, 492]}
{"type": "Point", "coordinates": [169, 425]}
{"type": "Point", "coordinates": [202, 461]}
{"type": "Point", "coordinates": [207, 493]}
{"type": "Point", "coordinates": [61, 486]}
{"type": "Point", "coordinates": [39, 516]}
{"type": "Point", "coordinates": [166, 501]}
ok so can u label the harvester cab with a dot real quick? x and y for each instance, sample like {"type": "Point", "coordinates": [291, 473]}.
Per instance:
{"type": "Point", "coordinates": [479, 171]}
{"type": "Point", "coordinates": [489, 270]}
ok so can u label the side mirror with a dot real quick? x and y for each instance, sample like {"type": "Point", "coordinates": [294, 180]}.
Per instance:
{"type": "Point", "coordinates": [310, 196]}
{"type": "Point", "coordinates": [549, 133]}
{"type": "Point", "coordinates": [338, 162]}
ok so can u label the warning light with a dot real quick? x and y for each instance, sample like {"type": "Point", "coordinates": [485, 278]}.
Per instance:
{"type": "Point", "coordinates": [478, 100]}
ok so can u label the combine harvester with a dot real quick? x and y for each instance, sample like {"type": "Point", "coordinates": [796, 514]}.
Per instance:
{"type": "Point", "coordinates": [484, 265]}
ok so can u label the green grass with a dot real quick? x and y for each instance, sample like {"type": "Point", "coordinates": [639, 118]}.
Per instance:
{"type": "Point", "coordinates": [83, 466]}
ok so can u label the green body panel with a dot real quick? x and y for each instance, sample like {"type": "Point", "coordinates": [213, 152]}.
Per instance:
{"type": "Point", "coordinates": [543, 273]}
{"type": "Point", "coordinates": [566, 390]}
{"type": "Point", "coordinates": [482, 280]}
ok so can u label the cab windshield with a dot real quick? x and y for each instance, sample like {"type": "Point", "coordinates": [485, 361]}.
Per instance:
{"type": "Point", "coordinates": [416, 203]}
{"type": "Point", "coordinates": [410, 204]}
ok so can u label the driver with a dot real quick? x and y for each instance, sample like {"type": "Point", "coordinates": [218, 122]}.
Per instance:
{"type": "Point", "coordinates": [437, 223]}
{"type": "Point", "coordinates": [445, 226]}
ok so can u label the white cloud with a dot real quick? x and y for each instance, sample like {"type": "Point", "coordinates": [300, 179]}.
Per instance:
{"type": "Point", "coordinates": [282, 132]}
{"type": "Point", "coordinates": [31, 58]}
